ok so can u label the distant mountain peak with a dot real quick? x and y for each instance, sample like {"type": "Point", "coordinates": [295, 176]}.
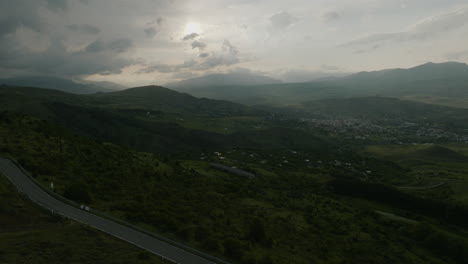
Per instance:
{"type": "Point", "coordinates": [427, 71]}
{"type": "Point", "coordinates": [148, 91]}
{"type": "Point", "coordinates": [62, 84]}
{"type": "Point", "coordinates": [441, 65]}
{"type": "Point", "coordinates": [224, 79]}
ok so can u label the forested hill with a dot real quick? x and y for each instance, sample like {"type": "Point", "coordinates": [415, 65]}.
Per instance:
{"type": "Point", "coordinates": [163, 99]}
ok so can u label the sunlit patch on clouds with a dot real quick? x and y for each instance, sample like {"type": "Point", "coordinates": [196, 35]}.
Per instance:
{"type": "Point", "coordinates": [157, 41]}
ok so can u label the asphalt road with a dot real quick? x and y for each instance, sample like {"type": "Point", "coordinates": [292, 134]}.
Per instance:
{"type": "Point", "coordinates": [424, 187]}
{"type": "Point", "coordinates": [36, 194]}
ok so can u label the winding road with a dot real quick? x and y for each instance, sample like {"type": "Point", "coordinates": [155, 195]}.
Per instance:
{"type": "Point", "coordinates": [140, 239]}
{"type": "Point", "coordinates": [423, 187]}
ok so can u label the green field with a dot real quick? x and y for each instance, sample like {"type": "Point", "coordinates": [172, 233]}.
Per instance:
{"type": "Point", "coordinates": [429, 165]}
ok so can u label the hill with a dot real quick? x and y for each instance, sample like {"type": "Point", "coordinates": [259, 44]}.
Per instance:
{"type": "Point", "coordinates": [30, 100]}
{"type": "Point", "coordinates": [243, 220]}
{"type": "Point", "coordinates": [438, 153]}
{"type": "Point", "coordinates": [162, 99]}
{"type": "Point", "coordinates": [442, 83]}
{"type": "Point", "coordinates": [384, 108]}
{"type": "Point", "coordinates": [66, 85]}
{"type": "Point", "coordinates": [146, 118]}
{"type": "Point", "coordinates": [430, 79]}
{"type": "Point", "coordinates": [52, 239]}
{"type": "Point", "coordinates": [220, 80]}
{"type": "Point", "coordinates": [428, 71]}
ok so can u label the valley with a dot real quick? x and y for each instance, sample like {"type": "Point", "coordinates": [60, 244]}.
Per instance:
{"type": "Point", "coordinates": [333, 179]}
{"type": "Point", "coordinates": [233, 132]}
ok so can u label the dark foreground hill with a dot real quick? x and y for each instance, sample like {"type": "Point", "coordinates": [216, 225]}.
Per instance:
{"type": "Point", "coordinates": [162, 99]}
{"type": "Point", "coordinates": [242, 220]}
{"type": "Point", "coordinates": [136, 118]}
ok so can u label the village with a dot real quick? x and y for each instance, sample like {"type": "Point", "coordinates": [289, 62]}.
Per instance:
{"type": "Point", "coordinates": [248, 163]}
{"type": "Point", "coordinates": [391, 132]}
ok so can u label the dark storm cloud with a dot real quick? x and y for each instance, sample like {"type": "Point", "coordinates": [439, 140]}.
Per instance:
{"type": "Point", "coordinates": [166, 68]}
{"type": "Point", "coordinates": [370, 49]}
{"type": "Point", "coordinates": [159, 21]}
{"type": "Point", "coordinates": [9, 24]}
{"type": "Point", "coordinates": [151, 32]}
{"type": "Point", "coordinates": [190, 36]}
{"type": "Point", "coordinates": [184, 75]}
{"type": "Point", "coordinates": [330, 16]}
{"type": "Point", "coordinates": [159, 67]}
{"type": "Point", "coordinates": [424, 30]}
{"type": "Point", "coordinates": [282, 20]}
{"type": "Point", "coordinates": [101, 56]}
{"type": "Point", "coordinates": [156, 22]}
{"type": "Point", "coordinates": [118, 45]}
{"type": "Point", "coordinates": [57, 5]}
{"type": "Point", "coordinates": [19, 13]}
{"type": "Point", "coordinates": [229, 47]}
{"type": "Point", "coordinates": [218, 60]}
{"type": "Point", "coordinates": [153, 27]}
{"type": "Point", "coordinates": [85, 28]}
{"type": "Point", "coordinates": [13, 16]}
{"type": "Point", "coordinates": [56, 60]}
{"type": "Point", "coordinates": [228, 56]}
{"type": "Point", "coordinates": [198, 44]}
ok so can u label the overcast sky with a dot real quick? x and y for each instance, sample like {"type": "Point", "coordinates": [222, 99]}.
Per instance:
{"type": "Point", "coordinates": [137, 42]}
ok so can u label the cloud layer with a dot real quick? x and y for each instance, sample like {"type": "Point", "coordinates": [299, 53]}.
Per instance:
{"type": "Point", "coordinates": [157, 41]}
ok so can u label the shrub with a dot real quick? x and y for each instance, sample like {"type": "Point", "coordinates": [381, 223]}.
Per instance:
{"type": "Point", "coordinates": [78, 191]}
{"type": "Point", "coordinates": [211, 245]}
{"type": "Point", "coordinates": [233, 248]}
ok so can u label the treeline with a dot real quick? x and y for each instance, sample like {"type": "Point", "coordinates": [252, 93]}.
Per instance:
{"type": "Point", "coordinates": [449, 212]}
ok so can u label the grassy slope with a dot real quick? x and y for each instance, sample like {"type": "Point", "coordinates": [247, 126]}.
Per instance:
{"type": "Point", "coordinates": [383, 108]}
{"type": "Point", "coordinates": [429, 165]}
{"type": "Point", "coordinates": [29, 234]}
{"type": "Point", "coordinates": [163, 99]}
{"type": "Point", "coordinates": [284, 217]}
{"type": "Point", "coordinates": [302, 221]}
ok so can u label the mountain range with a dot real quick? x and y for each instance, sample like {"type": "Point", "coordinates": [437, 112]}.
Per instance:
{"type": "Point", "coordinates": [440, 83]}
{"type": "Point", "coordinates": [238, 78]}
{"type": "Point", "coordinates": [62, 84]}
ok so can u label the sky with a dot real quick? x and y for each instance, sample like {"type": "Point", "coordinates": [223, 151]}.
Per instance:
{"type": "Point", "coordinates": [140, 42]}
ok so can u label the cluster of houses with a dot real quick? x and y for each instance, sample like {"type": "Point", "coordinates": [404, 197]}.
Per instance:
{"type": "Point", "coordinates": [232, 161]}
{"type": "Point", "coordinates": [389, 131]}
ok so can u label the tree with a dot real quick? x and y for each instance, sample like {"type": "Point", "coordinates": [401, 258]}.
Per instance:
{"type": "Point", "coordinates": [233, 248]}
{"type": "Point", "coordinates": [211, 245]}
{"type": "Point", "coordinates": [78, 191]}
{"type": "Point", "coordinates": [256, 231]}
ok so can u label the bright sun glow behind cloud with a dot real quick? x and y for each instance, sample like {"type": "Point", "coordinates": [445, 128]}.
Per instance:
{"type": "Point", "coordinates": [192, 27]}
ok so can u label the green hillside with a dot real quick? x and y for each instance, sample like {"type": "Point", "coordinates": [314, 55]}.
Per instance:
{"type": "Point", "coordinates": [243, 220]}
{"type": "Point", "coordinates": [30, 234]}
{"type": "Point", "coordinates": [162, 99]}
{"type": "Point", "coordinates": [384, 108]}
{"type": "Point", "coordinates": [145, 154]}
{"type": "Point", "coordinates": [61, 84]}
